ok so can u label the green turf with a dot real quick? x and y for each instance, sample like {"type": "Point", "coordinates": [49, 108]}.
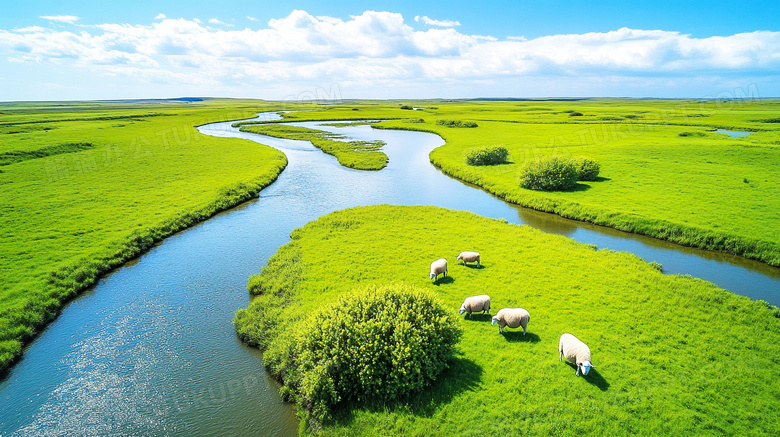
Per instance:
{"type": "Point", "coordinates": [87, 186]}
{"type": "Point", "coordinates": [673, 355]}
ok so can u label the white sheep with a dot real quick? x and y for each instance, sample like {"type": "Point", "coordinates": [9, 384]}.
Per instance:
{"type": "Point", "coordinates": [511, 317]}
{"type": "Point", "coordinates": [438, 267]}
{"type": "Point", "coordinates": [469, 257]}
{"type": "Point", "coordinates": [575, 351]}
{"type": "Point", "coordinates": [473, 304]}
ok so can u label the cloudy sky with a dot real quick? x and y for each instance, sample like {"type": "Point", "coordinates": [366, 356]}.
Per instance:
{"type": "Point", "coordinates": [55, 50]}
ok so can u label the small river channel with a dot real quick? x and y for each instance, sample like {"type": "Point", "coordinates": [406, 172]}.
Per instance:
{"type": "Point", "coordinates": [151, 349]}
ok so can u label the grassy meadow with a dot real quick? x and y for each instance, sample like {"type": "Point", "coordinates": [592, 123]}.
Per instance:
{"type": "Point", "coordinates": [665, 172]}
{"type": "Point", "coordinates": [87, 186]}
{"type": "Point", "coordinates": [673, 355]}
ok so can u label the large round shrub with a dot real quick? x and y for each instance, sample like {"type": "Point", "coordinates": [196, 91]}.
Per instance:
{"type": "Point", "coordinates": [490, 155]}
{"type": "Point", "coordinates": [549, 174]}
{"type": "Point", "coordinates": [587, 169]}
{"type": "Point", "coordinates": [382, 342]}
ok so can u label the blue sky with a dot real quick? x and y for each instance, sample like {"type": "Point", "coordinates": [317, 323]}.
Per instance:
{"type": "Point", "coordinates": [54, 50]}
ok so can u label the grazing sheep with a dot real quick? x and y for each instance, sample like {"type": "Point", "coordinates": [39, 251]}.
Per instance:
{"type": "Point", "coordinates": [438, 267]}
{"type": "Point", "coordinates": [512, 317]}
{"type": "Point", "coordinates": [468, 257]}
{"type": "Point", "coordinates": [575, 351]}
{"type": "Point", "coordinates": [473, 304]}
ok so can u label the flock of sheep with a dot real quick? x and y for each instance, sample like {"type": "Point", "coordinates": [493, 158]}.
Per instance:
{"type": "Point", "coordinates": [569, 346]}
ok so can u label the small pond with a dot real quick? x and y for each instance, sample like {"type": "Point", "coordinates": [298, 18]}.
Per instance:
{"type": "Point", "coordinates": [732, 133]}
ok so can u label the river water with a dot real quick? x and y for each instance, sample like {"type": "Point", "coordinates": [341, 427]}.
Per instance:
{"type": "Point", "coordinates": [151, 349]}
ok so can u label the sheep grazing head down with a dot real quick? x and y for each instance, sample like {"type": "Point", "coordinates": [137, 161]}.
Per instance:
{"type": "Point", "coordinates": [493, 321]}
{"type": "Point", "coordinates": [584, 367]}
{"type": "Point", "coordinates": [433, 275]}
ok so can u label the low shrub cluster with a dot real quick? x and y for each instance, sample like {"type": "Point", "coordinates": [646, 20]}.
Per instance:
{"type": "Point", "coordinates": [490, 155]}
{"type": "Point", "coordinates": [381, 342]}
{"type": "Point", "coordinates": [691, 134]}
{"type": "Point", "coordinates": [587, 169]}
{"type": "Point", "coordinates": [456, 123]}
{"type": "Point", "coordinates": [549, 174]}
{"type": "Point", "coordinates": [557, 173]}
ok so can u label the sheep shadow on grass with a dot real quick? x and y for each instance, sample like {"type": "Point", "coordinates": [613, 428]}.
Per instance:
{"type": "Point", "coordinates": [473, 266]}
{"type": "Point", "coordinates": [444, 280]}
{"type": "Point", "coordinates": [517, 337]}
{"type": "Point", "coordinates": [478, 317]}
{"type": "Point", "coordinates": [462, 375]}
{"type": "Point", "coordinates": [593, 377]}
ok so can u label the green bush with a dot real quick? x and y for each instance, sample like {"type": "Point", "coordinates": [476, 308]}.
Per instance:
{"type": "Point", "coordinates": [407, 107]}
{"type": "Point", "coordinates": [575, 114]}
{"type": "Point", "coordinates": [456, 123]}
{"type": "Point", "coordinates": [382, 342]}
{"type": "Point", "coordinates": [490, 155]}
{"type": "Point", "coordinates": [549, 174]}
{"type": "Point", "coordinates": [587, 169]}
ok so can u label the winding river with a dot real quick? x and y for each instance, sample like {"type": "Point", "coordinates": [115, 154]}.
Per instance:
{"type": "Point", "coordinates": [151, 349]}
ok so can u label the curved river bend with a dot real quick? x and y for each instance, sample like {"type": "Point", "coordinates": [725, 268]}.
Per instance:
{"type": "Point", "coordinates": [151, 349]}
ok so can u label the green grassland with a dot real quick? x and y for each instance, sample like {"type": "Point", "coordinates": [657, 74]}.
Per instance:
{"type": "Point", "coordinates": [360, 155]}
{"type": "Point", "coordinates": [664, 171]}
{"type": "Point", "coordinates": [87, 186]}
{"type": "Point", "coordinates": [673, 355]}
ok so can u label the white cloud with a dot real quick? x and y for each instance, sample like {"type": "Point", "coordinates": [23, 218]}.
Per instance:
{"type": "Point", "coordinates": [160, 17]}
{"type": "Point", "coordinates": [380, 49]}
{"type": "Point", "coordinates": [61, 18]}
{"type": "Point", "coordinates": [29, 29]}
{"type": "Point", "coordinates": [251, 18]}
{"type": "Point", "coordinates": [440, 23]}
{"type": "Point", "coordinates": [221, 23]}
